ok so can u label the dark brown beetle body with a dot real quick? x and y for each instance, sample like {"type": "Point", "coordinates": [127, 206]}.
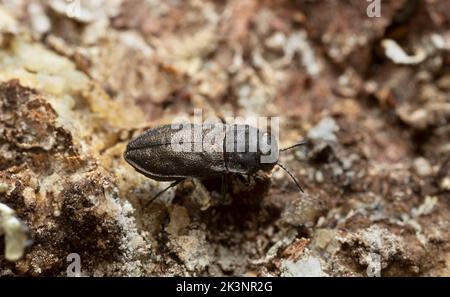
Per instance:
{"type": "Point", "coordinates": [152, 153]}
{"type": "Point", "coordinates": [156, 155]}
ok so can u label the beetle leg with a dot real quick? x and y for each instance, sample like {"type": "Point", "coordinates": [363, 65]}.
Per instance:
{"type": "Point", "coordinates": [245, 179]}
{"type": "Point", "coordinates": [224, 187]}
{"type": "Point", "coordinates": [248, 182]}
{"type": "Point", "coordinates": [163, 191]}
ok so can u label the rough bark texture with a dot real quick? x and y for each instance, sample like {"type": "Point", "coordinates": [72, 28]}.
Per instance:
{"type": "Point", "coordinates": [78, 82]}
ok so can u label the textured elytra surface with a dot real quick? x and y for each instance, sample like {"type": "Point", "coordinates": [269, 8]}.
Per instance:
{"type": "Point", "coordinates": [376, 171]}
{"type": "Point", "coordinates": [175, 152]}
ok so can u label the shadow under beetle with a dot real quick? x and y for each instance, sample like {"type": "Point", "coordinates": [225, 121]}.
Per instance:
{"type": "Point", "coordinates": [156, 153]}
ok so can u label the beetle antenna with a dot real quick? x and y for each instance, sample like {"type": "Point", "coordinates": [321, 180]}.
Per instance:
{"type": "Point", "coordinates": [292, 176]}
{"type": "Point", "coordinates": [295, 145]}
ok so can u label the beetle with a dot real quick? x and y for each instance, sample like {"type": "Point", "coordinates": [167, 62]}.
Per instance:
{"type": "Point", "coordinates": [179, 151]}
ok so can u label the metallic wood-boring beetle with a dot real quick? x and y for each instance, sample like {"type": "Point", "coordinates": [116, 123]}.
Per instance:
{"type": "Point", "coordinates": [153, 155]}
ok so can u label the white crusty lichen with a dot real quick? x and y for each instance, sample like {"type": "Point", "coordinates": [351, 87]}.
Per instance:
{"type": "Point", "coordinates": [308, 266]}
{"type": "Point", "coordinates": [15, 233]}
